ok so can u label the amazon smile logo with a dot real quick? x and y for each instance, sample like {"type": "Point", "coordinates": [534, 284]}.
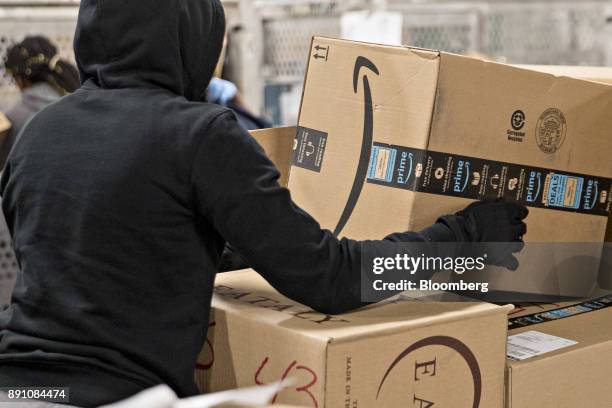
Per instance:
{"type": "Point", "coordinates": [362, 64]}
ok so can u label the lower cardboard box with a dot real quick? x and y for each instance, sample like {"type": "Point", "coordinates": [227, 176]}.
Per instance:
{"type": "Point", "coordinates": [560, 355]}
{"type": "Point", "coordinates": [398, 353]}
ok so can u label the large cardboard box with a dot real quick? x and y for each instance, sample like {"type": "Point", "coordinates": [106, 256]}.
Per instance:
{"type": "Point", "coordinates": [394, 137]}
{"type": "Point", "coordinates": [597, 74]}
{"type": "Point", "coordinates": [562, 355]}
{"type": "Point", "coordinates": [389, 355]}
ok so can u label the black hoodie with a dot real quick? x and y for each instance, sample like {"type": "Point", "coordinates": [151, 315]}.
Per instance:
{"type": "Point", "coordinates": [120, 198]}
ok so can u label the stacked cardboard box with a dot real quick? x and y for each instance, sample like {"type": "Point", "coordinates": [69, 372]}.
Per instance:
{"type": "Point", "coordinates": [561, 355]}
{"type": "Point", "coordinates": [425, 133]}
{"type": "Point", "coordinates": [394, 354]}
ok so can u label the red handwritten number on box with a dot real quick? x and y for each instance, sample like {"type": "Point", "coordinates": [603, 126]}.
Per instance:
{"type": "Point", "coordinates": [293, 367]}
{"type": "Point", "coordinates": [208, 365]}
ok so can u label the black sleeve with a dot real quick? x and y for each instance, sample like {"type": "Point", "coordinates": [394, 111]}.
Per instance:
{"type": "Point", "coordinates": [237, 190]}
{"type": "Point", "coordinates": [231, 260]}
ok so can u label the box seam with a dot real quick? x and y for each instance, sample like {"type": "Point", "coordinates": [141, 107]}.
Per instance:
{"type": "Point", "coordinates": [441, 321]}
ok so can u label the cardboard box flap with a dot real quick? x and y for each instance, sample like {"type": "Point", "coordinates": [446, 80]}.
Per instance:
{"type": "Point", "coordinates": [238, 292]}
{"type": "Point", "coordinates": [597, 74]}
{"type": "Point", "coordinates": [278, 145]}
{"type": "Point", "coordinates": [425, 53]}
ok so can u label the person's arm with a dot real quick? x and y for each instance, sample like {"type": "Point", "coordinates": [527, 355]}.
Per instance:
{"type": "Point", "coordinates": [237, 190]}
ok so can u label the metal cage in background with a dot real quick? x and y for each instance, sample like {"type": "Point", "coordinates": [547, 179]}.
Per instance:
{"type": "Point", "coordinates": [528, 32]}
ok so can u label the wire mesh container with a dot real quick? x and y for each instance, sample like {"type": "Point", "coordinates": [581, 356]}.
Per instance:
{"type": "Point", "coordinates": [544, 32]}
{"type": "Point", "coordinates": [287, 45]}
{"type": "Point", "coordinates": [9, 268]}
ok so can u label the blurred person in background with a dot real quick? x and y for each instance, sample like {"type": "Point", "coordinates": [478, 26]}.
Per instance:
{"type": "Point", "coordinates": [41, 76]}
{"type": "Point", "coordinates": [226, 93]}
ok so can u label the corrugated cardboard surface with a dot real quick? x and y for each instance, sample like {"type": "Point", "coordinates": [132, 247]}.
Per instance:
{"type": "Point", "coordinates": [475, 103]}
{"type": "Point", "coordinates": [457, 105]}
{"type": "Point", "coordinates": [403, 106]}
{"type": "Point", "coordinates": [598, 74]}
{"type": "Point", "coordinates": [259, 336]}
{"type": "Point", "coordinates": [577, 376]}
{"type": "Point", "coordinates": [278, 145]}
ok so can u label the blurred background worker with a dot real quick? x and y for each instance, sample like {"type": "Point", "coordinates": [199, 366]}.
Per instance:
{"type": "Point", "coordinates": [42, 77]}
{"type": "Point", "coordinates": [226, 93]}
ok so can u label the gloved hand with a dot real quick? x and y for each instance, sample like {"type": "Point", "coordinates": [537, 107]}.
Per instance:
{"type": "Point", "coordinates": [221, 91]}
{"type": "Point", "coordinates": [497, 226]}
{"type": "Point", "coordinates": [494, 221]}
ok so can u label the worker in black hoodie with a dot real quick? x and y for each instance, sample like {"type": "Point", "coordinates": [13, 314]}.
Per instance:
{"type": "Point", "coordinates": [121, 196]}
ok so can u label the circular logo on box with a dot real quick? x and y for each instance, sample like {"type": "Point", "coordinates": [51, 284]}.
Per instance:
{"type": "Point", "coordinates": [551, 130]}
{"type": "Point", "coordinates": [518, 120]}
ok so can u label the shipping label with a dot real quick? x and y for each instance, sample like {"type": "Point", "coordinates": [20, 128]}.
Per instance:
{"type": "Point", "coordinates": [531, 344]}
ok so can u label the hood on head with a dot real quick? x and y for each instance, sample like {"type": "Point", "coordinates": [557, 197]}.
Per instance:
{"type": "Point", "coordinates": [172, 44]}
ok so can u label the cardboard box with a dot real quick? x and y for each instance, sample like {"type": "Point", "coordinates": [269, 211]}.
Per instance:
{"type": "Point", "coordinates": [394, 137]}
{"type": "Point", "coordinates": [389, 355]}
{"type": "Point", "coordinates": [598, 74]}
{"type": "Point", "coordinates": [575, 372]}
{"type": "Point", "coordinates": [278, 145]}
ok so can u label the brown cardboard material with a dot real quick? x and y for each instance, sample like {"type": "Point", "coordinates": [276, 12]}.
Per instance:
{"type": "Point", "coordinates": [360, 94]}
{"type": "Point", "coordinates": [5, 126]}
{"type": "Point", "coordinates": [597, 74]}
{"type": "Point", "coordinates": [278, 145]}
{"type": "Point", "coordinates": [446, 352]}
{"type": "Point", "coordinates": [575, 376]}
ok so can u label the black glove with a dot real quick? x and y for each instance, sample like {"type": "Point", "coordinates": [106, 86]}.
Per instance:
{"type": "Point", "coordinates": [494, 221]}
{"type": "Point", "coordinates": [497, 225]}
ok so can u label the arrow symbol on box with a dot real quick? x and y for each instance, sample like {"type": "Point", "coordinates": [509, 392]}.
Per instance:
{"type": "Point", "coordinates": [319, 48]}
{"type": "Point", "coordinates": [317, 56]}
